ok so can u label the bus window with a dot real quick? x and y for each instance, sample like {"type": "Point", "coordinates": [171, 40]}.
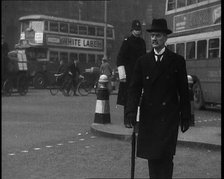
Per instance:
{"type": "Point", "coordinates": [201, 49]}
{"type": "Point", "coordinates": [73, 29]}
{"type": "Point", "coordinates": [190, 50]}
{"type": "Point", "coordinates": [171, 5]}
{"type": "Point", "coordinates": [63, 27]}
{"type": "Point", "coordinates": [82, 30]}
{"type": "Point", "coordinates": [91, 59]}
{"type": "Point", "coordinates": [64, 56]}
{"type": "Point", "coordinates": [100, 31]}
{"type": "Point", "coordinates": [37, 26]}
{"type": "Point", "coordinates": [25, 25]}
{"type": "Point", "coordinates": [41, 53]}
{"type": "Point", "coordinates": [54, 26]}
{"type": "Point", "coordinates": [189, 2]}
{"type": "Point", "coordinates": [82, 58]}
{"type": "Point", "coordinates": [181, 3]}
{"type": "Point", "coordinates": [91, 30]}
{"type": "Point", "coordinates": [73, 56]}
{"type": "Point", "coordinates": [109, 32]}
{"type": "Point", "coordinates": [180, 49]}
{"type": "Point", "coordinates": [171, 47]}
{"type": "Point", "coordinates": [54, 56]}
{"type": "Point", "coordinates": [46, 25]}
{"type": "Point", "coordinates": [213, 50]}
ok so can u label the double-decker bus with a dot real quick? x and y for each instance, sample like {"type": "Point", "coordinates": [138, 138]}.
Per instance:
{"type": "Point", "coordinates": [197, 37]}
{"type": "Point", "coordinates": [46, 39]}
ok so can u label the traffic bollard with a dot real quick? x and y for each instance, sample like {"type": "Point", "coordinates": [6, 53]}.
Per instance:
{"type": "Point", "coordinates": [102, 111]}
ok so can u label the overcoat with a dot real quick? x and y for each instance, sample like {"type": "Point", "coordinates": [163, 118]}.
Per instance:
{"type": "Point", "coordinates": [165, 100]}
{"type": "Point", "coordinates": [131, 49]}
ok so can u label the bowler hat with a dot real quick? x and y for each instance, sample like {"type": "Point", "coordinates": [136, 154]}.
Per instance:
{"type": "Point", "coordinates": [136, 25]}
{"type": "Point", "coordinates": [159, 25]}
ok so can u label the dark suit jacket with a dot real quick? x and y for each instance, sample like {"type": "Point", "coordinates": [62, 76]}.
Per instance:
{"type": "Point", "coordinates": [165, 100]}
{"type": "Point", "coordinates": [131, 49]}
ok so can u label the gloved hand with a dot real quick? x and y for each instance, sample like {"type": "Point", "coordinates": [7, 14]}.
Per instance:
{"type": "Point", "coordinates": [184, 125]}
{"type": "Point", "coordinates": [131, 117]}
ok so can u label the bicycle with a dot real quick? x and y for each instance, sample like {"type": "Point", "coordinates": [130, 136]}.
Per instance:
{"type": "Point", "coordinates": [85, 87]}
{"type": "Point", "coordinates": [60, 84]}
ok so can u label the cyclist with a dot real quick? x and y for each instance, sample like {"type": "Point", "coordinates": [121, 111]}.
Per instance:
{"type": "Point", "coordinates": [62, 70]}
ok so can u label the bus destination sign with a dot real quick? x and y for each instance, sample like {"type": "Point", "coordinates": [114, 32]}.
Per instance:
{"type": "Point", "coordinates": [75, 42]}
{"type": "Point", "coordinates": [198, 19]}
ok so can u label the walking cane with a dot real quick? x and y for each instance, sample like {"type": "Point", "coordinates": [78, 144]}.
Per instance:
{"type": "Point", "coordinates": [133, 153]}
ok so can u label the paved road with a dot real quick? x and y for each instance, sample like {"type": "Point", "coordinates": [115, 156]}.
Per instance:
{"type": "Point", "coordinates": [46, 136]}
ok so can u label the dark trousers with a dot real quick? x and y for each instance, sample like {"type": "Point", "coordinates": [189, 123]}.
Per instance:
{"type": "Point", "coordinates": [161, 168]}
{"type": "Point", "coordinates": [125, 118]}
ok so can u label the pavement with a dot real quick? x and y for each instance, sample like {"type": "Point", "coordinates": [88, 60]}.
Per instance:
{"type": "Point", "coordinates": [201, 136]}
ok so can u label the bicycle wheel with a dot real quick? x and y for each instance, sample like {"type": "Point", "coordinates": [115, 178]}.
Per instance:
{"type": "Point", "coordinates": [7, 87]}
{"type": "Point", "coordinates": [54, 89]}
{"type": "Point", "coordinates": [83, 88]}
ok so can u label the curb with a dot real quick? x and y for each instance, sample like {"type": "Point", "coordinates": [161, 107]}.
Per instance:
{"type": "Point", "coordinates": [106, 130]}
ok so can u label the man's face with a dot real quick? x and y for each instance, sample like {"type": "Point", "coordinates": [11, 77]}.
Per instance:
{"type": "Point", "coordinates": [158, 40]}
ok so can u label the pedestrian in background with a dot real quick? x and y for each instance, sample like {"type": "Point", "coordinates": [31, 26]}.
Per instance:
{"type": "Point", "coordinates": [162, 76]}
{"type": "Point", "coordinates": [105, 69]}
{"type": "Point", "coordinates": [74, 73]}
{"type": "Point", "coordinates": [4, 58]}
{"type": "Point", "coordinates": [131, 49]}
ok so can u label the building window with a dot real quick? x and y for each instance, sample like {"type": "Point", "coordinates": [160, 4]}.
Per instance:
{"type": "Point", "coordinates": [54, 26]}
{"type": "Point", "coordinates": [213, 48]}
{"type": "Point", "coordinates": [171, 47]}
{"type": "Point", "coordinates": [54, 56]}
{"type": "Point", "coordinates": [64, 56]}
{"type": "Point", "coordinates": [83, 30]}
{"type": "Point", "coordinates": [82, 58]}
{"type": "Point", "coordinates": [46, 25]}
{"type": "Point", "coordinates": [171, 5]}
{"type": "Point", "coordinates": [91, 30]}
{"type": "Point", "coordinates": [181, 3]}
{"type": "Point", "coordinates": [100, 31]}
{"type": "Point", "coordinates": [91, 58]}
{"type": "Point", "coordinates": [64, 27]}
{"type": "Point", "coordinates": [180, 49]}
{"type": "Point", "coordinates": [190, 50]}
{"type": "Point", "coordinates": [25, 25]}
{"type": "Point", "coordinates": [201, 49]}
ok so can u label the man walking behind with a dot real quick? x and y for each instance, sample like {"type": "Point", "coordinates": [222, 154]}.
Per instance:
{"type": "Point", "coordinates": [131, 49]}
{"type": "Point", "coordinates": [162, 76]}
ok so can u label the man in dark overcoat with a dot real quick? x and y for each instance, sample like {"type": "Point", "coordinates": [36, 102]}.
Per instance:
{"type": "Point", "coordinates": [131, 49]}
{"type": "Point", "coordinates": [165, 104]}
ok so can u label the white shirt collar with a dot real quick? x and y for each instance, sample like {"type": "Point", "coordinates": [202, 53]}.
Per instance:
{"type": "Point", "coordinates": [161, 51]}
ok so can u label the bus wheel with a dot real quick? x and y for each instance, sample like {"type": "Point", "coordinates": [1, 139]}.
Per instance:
{"type": "Point", "coordinates": [39, 81]}
{"type": "Point", "coordinates": [198, 96]}
{"type": "Point", "coordinates": [7, 87]}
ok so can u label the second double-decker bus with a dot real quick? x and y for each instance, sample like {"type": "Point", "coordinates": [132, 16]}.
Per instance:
{"type": "Point", "coordinates": [46, 39]}
{"type": "Point", "coordinates": [197, 37]}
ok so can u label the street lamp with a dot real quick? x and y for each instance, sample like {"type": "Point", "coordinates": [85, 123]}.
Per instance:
{"type": "Point", "coordinates": [105, 29]}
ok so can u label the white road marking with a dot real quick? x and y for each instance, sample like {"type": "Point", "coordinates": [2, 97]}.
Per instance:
{"type": "Point", "coordinates": [71, 142]}
{"type": "Point", "coordinates": [81, 139]}
{"type": "Point", "coordinates": [79, 134]}
{"type": "Point", "coordinates": [87, 146]}
{"type": "Point", "coordinates": [92, 137]}
{"type": "Point", "coordinates": [12, 154]}
{"type": "Point", "coordinates": [36, 148]}
{"type": "Point", "coordinates": [24, 151]}
{"type": "Point", "coordinates": [59, 144]}
{"type": "Point", "coordinates": [48, 146]}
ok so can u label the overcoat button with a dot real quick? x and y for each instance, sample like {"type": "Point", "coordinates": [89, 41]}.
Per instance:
{"type": "Point", "coordinates": [164, 103]}
{"type": "Point", "coordinates": [147, 77]}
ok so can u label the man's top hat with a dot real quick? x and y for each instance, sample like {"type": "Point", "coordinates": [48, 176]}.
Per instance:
{"type": "Point", "coordinates": [159, 25]}
{"type": "Point", "coordinates": [136, 25]}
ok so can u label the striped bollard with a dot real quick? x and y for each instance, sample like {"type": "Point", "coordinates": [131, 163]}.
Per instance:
{"type": "Point", "coordinates": [102, 111]}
